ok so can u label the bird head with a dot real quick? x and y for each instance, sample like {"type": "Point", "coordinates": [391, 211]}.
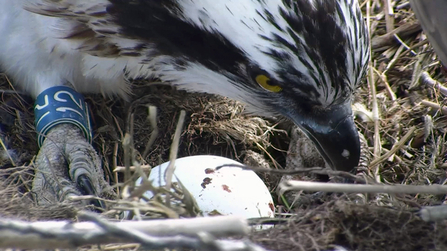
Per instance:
{"type": "Point", "coordinates": [301, 59]}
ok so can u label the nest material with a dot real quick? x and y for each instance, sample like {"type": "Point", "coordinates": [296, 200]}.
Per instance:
{"type": "Point", "coordinates": [216, 125]}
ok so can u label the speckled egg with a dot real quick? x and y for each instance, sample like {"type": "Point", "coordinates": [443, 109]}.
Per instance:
{"type": "Point", "coordinates": [226, 191]}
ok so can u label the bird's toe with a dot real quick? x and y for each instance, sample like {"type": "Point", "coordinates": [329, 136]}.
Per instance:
{"type": "Point", "coordinates": [54, 180]}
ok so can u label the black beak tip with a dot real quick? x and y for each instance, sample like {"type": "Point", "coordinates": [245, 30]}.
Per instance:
{"type": "Point", "coordinates": [339, 145]}
{"type": "Point", "coordinates": [343, 146]}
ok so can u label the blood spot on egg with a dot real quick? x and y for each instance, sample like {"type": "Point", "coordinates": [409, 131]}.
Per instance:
{"type": "Point", "coordinates": [272, 207]}
{"type": "Point", "coordinates": [209, 170]}
{"type": "Point", "coordinates": [226, 188]}
{"type": "Point", "coordinates": [205, 182]}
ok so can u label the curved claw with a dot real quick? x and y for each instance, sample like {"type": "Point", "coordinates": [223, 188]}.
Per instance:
{"type": "Point", "coordinates": [87, 188]}
{"type": "Point", "coordinates": [65, 144]}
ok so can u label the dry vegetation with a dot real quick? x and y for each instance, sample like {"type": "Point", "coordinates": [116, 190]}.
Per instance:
{"type": "Point", "coordinates": [398, 101]}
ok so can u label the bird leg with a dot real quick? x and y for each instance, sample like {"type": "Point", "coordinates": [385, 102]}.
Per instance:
{"type": "Point", "coordinates": [63, 124]}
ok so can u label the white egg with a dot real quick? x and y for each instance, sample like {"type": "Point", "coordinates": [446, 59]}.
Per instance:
{"type": "Point", "coordinates": [226, 191]}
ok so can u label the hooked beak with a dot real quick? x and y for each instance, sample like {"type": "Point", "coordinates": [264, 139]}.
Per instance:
{"type": "Point", "coordinates": [335, 136]}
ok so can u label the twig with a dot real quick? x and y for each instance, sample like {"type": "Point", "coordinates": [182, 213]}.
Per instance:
{"type": "Point", "coordinates": [5, 150]}
{"type": "Point", "coordinates": [434, 105]}
{"type": "Point", "coordinates": [114, 163]}
{"type": "Point", "coordinates": [152, 116]}
{"type": "Point", "coordinates": [152, 234]}
{"type": "Point", "coordinates": [127, 143]}
{"type": "Point", "coordinates": [359, 188]}
{"type": "Point", "coordinates": [312, 170]}
{"type": "Point", "coordinates": [426, 79]}
{"type": "Point", "coordinates": [381, 42]}
{"type": "Point", "coordinates": [384, 79]}
{"type": "Point", "coordinates": [395, 148]}
{"type": "Point", "coordinates": [372, 85]}
{"type": "Point", "coordinates": [433, 213]}
{"type": "Point", "coordinates": [405, 45]}
{"type": "Point", "coordinates": [120, 169]}
{"type": "Point", "coordinates": [173, 154]}
{"type": "Point", "coordinates": [389, 15]}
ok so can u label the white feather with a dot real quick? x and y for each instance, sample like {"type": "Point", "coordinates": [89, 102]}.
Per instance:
{"type": "Point", "coordinates": [34, 54]}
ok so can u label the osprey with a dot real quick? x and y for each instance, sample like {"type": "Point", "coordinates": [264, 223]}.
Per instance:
{"type": "Point", "coordinates": [301, 59]}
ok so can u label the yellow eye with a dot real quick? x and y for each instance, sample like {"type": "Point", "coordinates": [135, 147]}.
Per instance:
{"type": "Point", "coordinates": [263, 81]}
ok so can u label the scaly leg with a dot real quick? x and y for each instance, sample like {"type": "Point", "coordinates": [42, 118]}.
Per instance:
{"type": "Point", "coordinates": [62, 121]}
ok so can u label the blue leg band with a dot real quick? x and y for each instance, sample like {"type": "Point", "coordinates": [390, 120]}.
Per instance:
{"type": "Point", "coordinates": [58, 105]}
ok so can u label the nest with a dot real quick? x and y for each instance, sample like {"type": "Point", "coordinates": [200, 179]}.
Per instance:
{"type": "Point", "coordinates": [396, 102]}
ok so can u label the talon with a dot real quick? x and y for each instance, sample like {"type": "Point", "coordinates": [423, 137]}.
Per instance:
{"type": "Point", "coordinates": [62, 122]}
{"type": "Point", "coordinates": [87, 188]}
{"type": "Point", "coordinates": [54, 180]}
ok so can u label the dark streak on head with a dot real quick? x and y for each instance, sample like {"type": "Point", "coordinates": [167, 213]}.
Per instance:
{"type": "Point", "coordinates": [271, 19]}
{"type": "Point", "coordinates": [159, 22]}
{"type": "Point", "coordinates": [322, 39]}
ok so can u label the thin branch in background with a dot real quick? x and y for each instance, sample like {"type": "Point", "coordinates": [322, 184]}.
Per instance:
{"type": "Point", "coordinates": [359, 188]}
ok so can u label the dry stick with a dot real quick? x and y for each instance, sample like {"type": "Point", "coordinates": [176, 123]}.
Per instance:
{"type": "Point", "coordinates": [275, 163]}
{"type": "Point", "coordinates": [394, 60]}
{"type": "Point", "coordinates": [379, 42]}
{"type": "Point", "coordinates": [426, 79]}
{"type": "Point", "coordinates": [127, 153]}
{"type": "Point", "coordinates": [145, 183]}
{"type": "Point", "coordinates": [384, 79]}
{"type": "Point", "coordinates": [121, 169]}
{"type": "Point", "coordinates": [173, 155]}
{"type": "Point", "coordinates": [375, 107]}
{"type": "Point", "coordinates": [375, 111]}
{"type": "Point", "coordinates": [389, 15]}
{"type": "Point", "coordinates": [10, 92]}
{"type": "Point", "coordinates": [394, 149]}
{"type": "Point", "coordinates": [433, 213]}
{"type": "Point", "coordinates": [312, 170]}
{"type": "Point", "coordinates": [114, 164]}
{"type": "Point", "coordinates": [7, 152]}
{"type": "Point", "coordinates": [76, 198]}
{"type": "Point", "coordinates": [14, 91]}
{"type": "Point", "coordinates": [409, 48]}
{"type": "Point", "coordinates": [417, 68]}
{"type": "Point", "coordinates": [117, 247]}
{"type": "Point", "coordinates": [404, 5]}
{"type": "Point", "coordinates": [360, 188]}
{"type": "Point", "coordinates": [443, 109]}
{"type": "Point", "coordinates": [152, 116]}
{"type": "Point", "coordinates": [155, 233]}
{"type": "Point", "coordinates": [137, 167]}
